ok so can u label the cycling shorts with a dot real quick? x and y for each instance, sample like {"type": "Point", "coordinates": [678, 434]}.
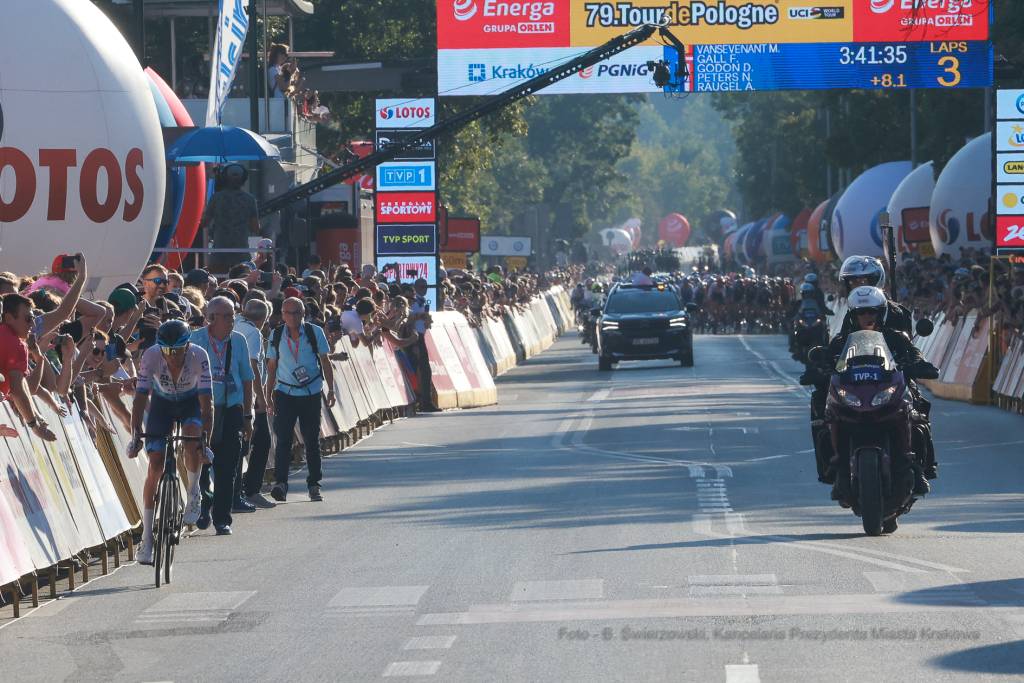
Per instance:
{"type": "Point", "coordinates": [164, 414]}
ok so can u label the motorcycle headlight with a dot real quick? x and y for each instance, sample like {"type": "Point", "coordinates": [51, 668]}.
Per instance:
{"type": "Point", "coordinates": [848, 398]}
{"type": "Point", "coordinates": [884, 396]}
{"type": "Point", "coordinates": [609, 325]}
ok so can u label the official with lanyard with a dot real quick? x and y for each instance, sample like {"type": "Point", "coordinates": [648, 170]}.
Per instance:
{"type": "Point", "coordinates": [297, 371]}
{"type": "Point", "coordinates": [232, 403]}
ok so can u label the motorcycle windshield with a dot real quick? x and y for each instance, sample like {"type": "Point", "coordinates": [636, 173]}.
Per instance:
{"type": "Point", "coordinates": [866, 348]}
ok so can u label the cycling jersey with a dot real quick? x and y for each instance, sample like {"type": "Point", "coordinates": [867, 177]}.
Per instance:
{"type": "Point", "coordinates": [194, 378]}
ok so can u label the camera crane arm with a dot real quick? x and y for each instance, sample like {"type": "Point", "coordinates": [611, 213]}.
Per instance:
{"type": "Point", "coordinates": [459, 121]}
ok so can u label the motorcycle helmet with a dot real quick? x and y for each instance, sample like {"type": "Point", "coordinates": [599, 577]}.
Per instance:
{"type": "Point", "coordinates": [811, 277]}
{"type": "Point", "coordinates": [866, 299]}
{"type": "Point", "coordinates": [865, 267]}
{"type": "Point", "coordinates": [807, 291]}
{"type": "Point", "coordinates": [173, 334]}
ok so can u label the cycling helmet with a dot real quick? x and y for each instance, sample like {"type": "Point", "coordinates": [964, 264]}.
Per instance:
{"type": "Point", "coordinates": [173, 333]}
{"type": "Point", "coordinates": [811, 277]}
{"type": "Point", "coordinates": [862, 267]}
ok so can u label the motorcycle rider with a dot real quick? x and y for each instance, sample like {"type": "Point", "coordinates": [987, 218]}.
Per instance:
{"type": "Point", "coordinates": [805, 306]}
{"type": "Point", "coordinates": [819, 295]}
{"type": "Point", "coordinates": [868, 307]}
{"type": "Point", "coordinates": [858, 271]}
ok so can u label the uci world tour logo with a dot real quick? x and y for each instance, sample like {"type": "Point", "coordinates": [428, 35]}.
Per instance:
{"type": "Point", "coordinates": [882, 6]}
{"type": "Point", "coordinates": [464, 9]}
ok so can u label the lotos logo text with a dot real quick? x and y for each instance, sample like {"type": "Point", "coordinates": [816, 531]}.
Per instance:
{"type": "Point", "coordinates": [406, 207]}
{"type": "Point", "coordinates": [1016, 138]}
{"type": "Point", "coordinates": [464, 10]}
{"type": "Point", "coordinates": [404, 113]}
{"type": "Point", "coordinates": [100, 201]}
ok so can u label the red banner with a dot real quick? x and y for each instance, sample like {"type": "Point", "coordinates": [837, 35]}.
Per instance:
{"type": "Point", "coordinates": [406, 207]}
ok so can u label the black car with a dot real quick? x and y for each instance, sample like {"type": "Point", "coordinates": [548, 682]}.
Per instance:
{"type": "Point", "coordinates": [640, 322]}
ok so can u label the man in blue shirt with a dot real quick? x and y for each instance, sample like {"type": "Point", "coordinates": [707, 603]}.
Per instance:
{"type": "Point", "coordinates": [250, 324]}
{"type": "Point", "coordinates": [232, 401]}
{"type": "Point", "coordinates": [297, 371]}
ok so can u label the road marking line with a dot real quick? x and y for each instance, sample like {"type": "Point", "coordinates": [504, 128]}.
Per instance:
{"type": "Point", "coordinates": [581, 431]}
{"type": "Point", "coordinates": [750, 430]}
{"type": "Point", "coordinates": [412, 668]}
{"type": "Point", "coordinates": [741, 673]}
{"type": "Point", "coordinates": [556, 438]}
{"type": "Point", "coordinates": [537, 591]}
{"type": "Point", "coordinates": [743, 340]}
{"type": "Point", "coordinates": [892, 556]}
{"type": "Point", "coordinates": [378, 596]}
{"type": "Point", "coordinates": [723, 471]}
{"type": "Point", "coordinates": [734, 524]}
{"type": "Point", "coordinates": [743, 414]}
{"type": "Point", "coordinates": [193, 607]}
{"type": "Point", "coordinates": [702, 525]}
{"type": "Point", "coordinates": [770, 457]}
{"type": "Point", "coordinates": [809, 450]}
{"type": "Point", "coordinates": [429, 643]}
{"type": "Point", "coordinates": [600, 395]}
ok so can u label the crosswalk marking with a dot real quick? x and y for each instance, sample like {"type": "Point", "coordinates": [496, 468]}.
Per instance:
{"type": "Point", "coordinates": [536, 591]}
{"type": "Point", "coordinates": [194, 607]}
{"type": "Point", "coordinates": [429, 643]}
{"type": "Point", "coordinates": [376, 600]}
{"type": "Point", "coordinates": [741, 673]}
{"type": "Point", "coordinates": [412, 668]}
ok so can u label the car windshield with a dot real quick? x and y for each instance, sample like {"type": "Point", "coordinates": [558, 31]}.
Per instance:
{"type": "Point", "coordinates": [642, 301]}
{"type": "Point", "coordinates": [862, 347]}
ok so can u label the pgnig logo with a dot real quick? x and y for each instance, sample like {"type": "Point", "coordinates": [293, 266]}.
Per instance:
{"type": "Point", "coordinates": [477, 73]}
{"type": "Point", "coordinates": [1019, 103]}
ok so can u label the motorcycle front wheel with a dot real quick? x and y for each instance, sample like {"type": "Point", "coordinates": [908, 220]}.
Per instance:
{"type": "Point", "coordinates": [869, 472]}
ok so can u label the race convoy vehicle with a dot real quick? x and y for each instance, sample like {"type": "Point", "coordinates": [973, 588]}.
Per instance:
{"type": "Point", "coordinates": [644, 322]}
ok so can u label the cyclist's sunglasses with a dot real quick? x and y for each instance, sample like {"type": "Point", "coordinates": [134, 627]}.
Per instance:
{"type": "Point", "coordinates": [174, 350]}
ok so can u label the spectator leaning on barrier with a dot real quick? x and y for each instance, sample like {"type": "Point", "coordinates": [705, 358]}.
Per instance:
{"type": "Point", "coordinates": [16, 325]}
{"type": "Point", "coordinates": [232, 378]}
{"type": "Point", "coordinates": [154, 284]}
{"type": "Point", "coordinates": [297, 370]}
{"type": "Point", "coordinates": [250, 325]}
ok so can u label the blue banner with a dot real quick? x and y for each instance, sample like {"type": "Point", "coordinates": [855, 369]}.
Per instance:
{"type": "Point", "coordinates": [232, 25]}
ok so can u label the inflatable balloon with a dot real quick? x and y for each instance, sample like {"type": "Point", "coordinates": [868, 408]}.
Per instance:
{"type": "Point", "coordinates": [777, 241]}
{"type": "Point", "coordinates": [752, 240]}
{"type": "Point", "coordinates": [621, 242]}
{"type": "Point", "coordinates": [908, 211]}
{"type": "Point", "coordinates": [188, 197]}
{"type": "Point", "coordinates": [738, 238]}
{"type": "Point", "coordinates": [814, 235]}
{"type": "Point", "coordinates": [718, 222]}
{"type": "Point", "coordinates": [762, 248]}
{"type": "Point", "coordinates": [632, 226]}
{"type": "Point", "coordinates": [81, 150]}
{"type": "Point", "coordinates": [958, 216]}
{"type": "Point", "coordinates": [675, 229]}
{"type": "Point", "coordinates": [799, 226]}
{"type": "Point", "coordinates": [855, 219]}
{"type": "Point", "coordinates": [826, 224]}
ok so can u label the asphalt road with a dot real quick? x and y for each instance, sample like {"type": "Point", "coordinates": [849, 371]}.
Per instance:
{"type": "Point", "coordinates": [653, 523]}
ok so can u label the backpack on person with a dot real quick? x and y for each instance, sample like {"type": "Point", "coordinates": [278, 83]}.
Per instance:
{"type": "Point", "coordinates": [275, 340]}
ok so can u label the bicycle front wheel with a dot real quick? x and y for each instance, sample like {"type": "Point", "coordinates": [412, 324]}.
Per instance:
{"type": "Point", "coordinates": [171, 524]}
{"type": "Point", "coordinates": [160, 514]}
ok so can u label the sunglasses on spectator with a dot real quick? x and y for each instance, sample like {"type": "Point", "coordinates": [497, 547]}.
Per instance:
{"type": "Point", "coordinates": [292, 312]}
{"type": "Point", "coordinates": [157, 280]}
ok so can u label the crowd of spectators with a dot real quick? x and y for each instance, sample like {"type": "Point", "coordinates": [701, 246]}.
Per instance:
{"type": "Point", "coordinates": [285, 80]}
{"type": "Point", "coordinates": [65, 349]}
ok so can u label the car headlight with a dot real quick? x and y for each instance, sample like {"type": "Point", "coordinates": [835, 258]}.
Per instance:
{"type": "Point", "coordinates": [848, 398]}
{"type": "Point", "coordinates": [609, 325]}
{"type": "Point", "coordinates": [678, 322]}
{"type": "Point", "coordinates": [884, 396]}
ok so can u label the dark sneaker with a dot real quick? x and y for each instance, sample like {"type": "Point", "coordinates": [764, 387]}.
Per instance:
{"type": "Point", "coordinates": [260, 501]}
{"type": "Point", "coordinates": [314, 493]}
{"type": "Point", "coordinates": [223, 529]}
{"type": "Point", "coordinates": [890, 526]}
{"type": "Point", "coordinates": [242, 505]}
{"type": "Point", "coordinates": [204, 520]}
{"type": "Point", "coordinates": [279, 492]}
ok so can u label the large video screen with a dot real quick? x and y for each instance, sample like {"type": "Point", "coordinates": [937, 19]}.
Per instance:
{"type": "Point", "coordinates": [486, 46]}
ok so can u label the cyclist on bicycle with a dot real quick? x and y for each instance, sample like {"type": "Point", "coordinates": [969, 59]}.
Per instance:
{"type": "Point", "coordinates": [178, 373]}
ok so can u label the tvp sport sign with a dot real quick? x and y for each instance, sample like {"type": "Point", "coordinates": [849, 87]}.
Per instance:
{"type": "Point", "coordinates": [484, 46]}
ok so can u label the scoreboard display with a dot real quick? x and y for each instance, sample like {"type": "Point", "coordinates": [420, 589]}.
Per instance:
{"type": "Point", "coordinates": [485, 46]}
{"type": "Point", "coordinates": [816, 66]}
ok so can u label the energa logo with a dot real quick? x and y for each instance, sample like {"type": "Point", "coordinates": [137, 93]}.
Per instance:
{"type": "Point", "coordinates": [464, 9]}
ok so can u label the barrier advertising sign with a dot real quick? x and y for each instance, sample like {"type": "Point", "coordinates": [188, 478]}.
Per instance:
{"type": "Point", "coordinates": [499, 245]}
{"type": "Point", "coordinates": [484, 46]}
